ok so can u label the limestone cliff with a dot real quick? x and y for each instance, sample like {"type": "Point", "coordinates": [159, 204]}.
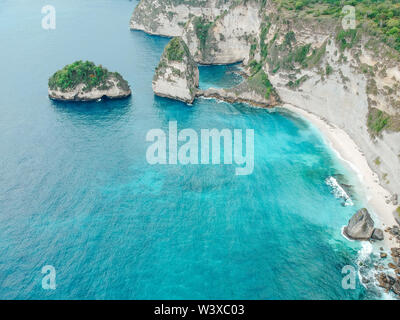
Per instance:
{"type": "Point", "coordinates": [177, 75]}
{"type": "Point", "coordinates": [169, 17]}
{"type": "Point", "coordinates": [228, 37]}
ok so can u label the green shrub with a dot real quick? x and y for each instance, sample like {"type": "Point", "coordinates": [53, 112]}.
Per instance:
{"type": "Point", "coordinates": [79, 72]}
{"type": "Point", "coordinates": [377, 120]}
{"type": "Point", "coordinates": [175, 50]}
{"type": "Point", "coordinates": [328, 70]}
{"type": "Point", "coordinates": [201, 27]}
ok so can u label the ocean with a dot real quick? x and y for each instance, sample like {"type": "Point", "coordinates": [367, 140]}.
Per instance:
{"type": "Point", "coordinates": [77, 193]}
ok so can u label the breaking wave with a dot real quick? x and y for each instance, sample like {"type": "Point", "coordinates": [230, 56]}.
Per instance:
{"type": "Point", "coordinates": [338, 191]}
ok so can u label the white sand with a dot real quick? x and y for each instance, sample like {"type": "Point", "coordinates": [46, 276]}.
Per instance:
{"type": "Point", "coordinates": [349, 152]}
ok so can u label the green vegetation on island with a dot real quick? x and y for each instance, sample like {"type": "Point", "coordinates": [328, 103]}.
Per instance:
{"type": "Point", "coordinates": [176, 49]}
{"type": "Point", "coordinates": [86, 73]}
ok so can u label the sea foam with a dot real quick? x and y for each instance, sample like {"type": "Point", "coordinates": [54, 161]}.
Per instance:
{"type": "Point", "coordinates": [338, 191]}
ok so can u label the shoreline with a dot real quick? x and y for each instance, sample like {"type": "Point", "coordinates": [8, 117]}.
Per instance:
{"type": "Point", "coordinates": [348, 152]}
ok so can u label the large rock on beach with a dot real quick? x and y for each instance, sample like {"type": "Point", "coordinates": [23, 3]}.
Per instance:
{"type": "Point", "coordinates": [360, 226]}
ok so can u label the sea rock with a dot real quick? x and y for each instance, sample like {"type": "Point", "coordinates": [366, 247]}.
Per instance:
{"type": "Point", "coordinates": [385, 281]}
{"type": "Point", "coordinates": [383, 255]}
{"type": "Point", "coordinates": [360, 226]}
{"type": "Point", "coordinates": [377, 234]}
{"type": "Point", "coordinates": [396, 287]}
{"type": "Point", "coordinates": [395, 252]}
{"type": "Point", "coordinates": [177, 75]}
{"type": "Point", "coordinates": [84, 81]}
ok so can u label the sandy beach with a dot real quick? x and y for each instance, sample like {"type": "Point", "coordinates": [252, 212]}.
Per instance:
{"type": "Point", "coordinates": [348, 151]}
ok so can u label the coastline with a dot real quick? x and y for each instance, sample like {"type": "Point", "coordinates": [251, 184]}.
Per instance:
{"type": "Point", "coordinates": [348, 151]}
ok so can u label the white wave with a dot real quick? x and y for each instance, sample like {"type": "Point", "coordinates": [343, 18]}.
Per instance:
{"type": "Point", "coordinates": [338, 191]}
{"type": "Point", "coordinates": [365, 251]}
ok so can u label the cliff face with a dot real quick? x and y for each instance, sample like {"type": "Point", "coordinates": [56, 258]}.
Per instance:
{"type": "Point", "coordinates": [113, 90]}
{"type": "Point", "coordinates": [347, 77]}
{"type": "Point", "coordinates": [347, 86]}
{"type": "Point", "coordinates": [177, 75]}
{"type": "Point", "coordinates": [227, 38]}
{"type": "Point", "coordinates": [169, 17]}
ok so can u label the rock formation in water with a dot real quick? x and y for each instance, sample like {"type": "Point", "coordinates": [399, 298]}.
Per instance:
{"type": "Point", "coordinates": [361, 227]}
{"type": "Point", "coordinates": [350, 77]}
{"type": "Point", "coordinates": [177, 75]}
{"type": "Point", "coordinates": [84, 81]}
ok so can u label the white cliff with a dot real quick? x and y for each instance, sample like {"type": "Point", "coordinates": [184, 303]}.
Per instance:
{"type": "Point", "coordinates": [177, 75]}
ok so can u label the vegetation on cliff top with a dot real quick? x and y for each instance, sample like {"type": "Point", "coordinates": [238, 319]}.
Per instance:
{"type": "Point", "coordinates": [379, 120]}
{"type": "Point", "coordinates": [86, 73]}
{"type": "Point", "coordinates": [380, 17]}
{"type": "Point", "coordinates": [176, 49]}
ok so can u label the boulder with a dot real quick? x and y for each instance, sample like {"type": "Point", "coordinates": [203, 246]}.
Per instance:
{"type": "Point", "coordinates": [396, 287]}
{"type": "Point", "coordinates": [385, 281]}
{"type": "Point", "coordinates": [377, 234]}
{"type": "Point", "coordinates": [360, 226]}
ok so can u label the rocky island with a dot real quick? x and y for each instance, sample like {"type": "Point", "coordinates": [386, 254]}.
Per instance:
{"type": "Point", "coordinates": [84, 81]}
{"type": "Point", "coordinates": [177, 75]}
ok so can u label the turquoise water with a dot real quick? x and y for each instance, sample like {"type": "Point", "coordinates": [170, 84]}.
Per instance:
{"type": "Point", "coordinates": [77, 193]}
{"type": "Point", "coordinates": [219, 76]}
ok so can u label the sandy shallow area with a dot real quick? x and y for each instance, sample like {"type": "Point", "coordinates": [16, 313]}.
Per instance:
{"type": "Point", "coordinates": [349, 152]}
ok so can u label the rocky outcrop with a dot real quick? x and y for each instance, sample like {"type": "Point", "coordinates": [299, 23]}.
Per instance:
{"type": "Point", "coordinates": [79, 93]}
{"type": "Point", "coordinates": [361, 227]}
{"type": "Point", "coordinates": [385, 281]}
{"type": "Point", "coordinates": [177, 75]}
{"type": "Point", "coordinates": [377, 234]}
{"type": "Point", "coordinates": [84, 81]}
{"type": "Point", "coordinates": [255, 90]}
